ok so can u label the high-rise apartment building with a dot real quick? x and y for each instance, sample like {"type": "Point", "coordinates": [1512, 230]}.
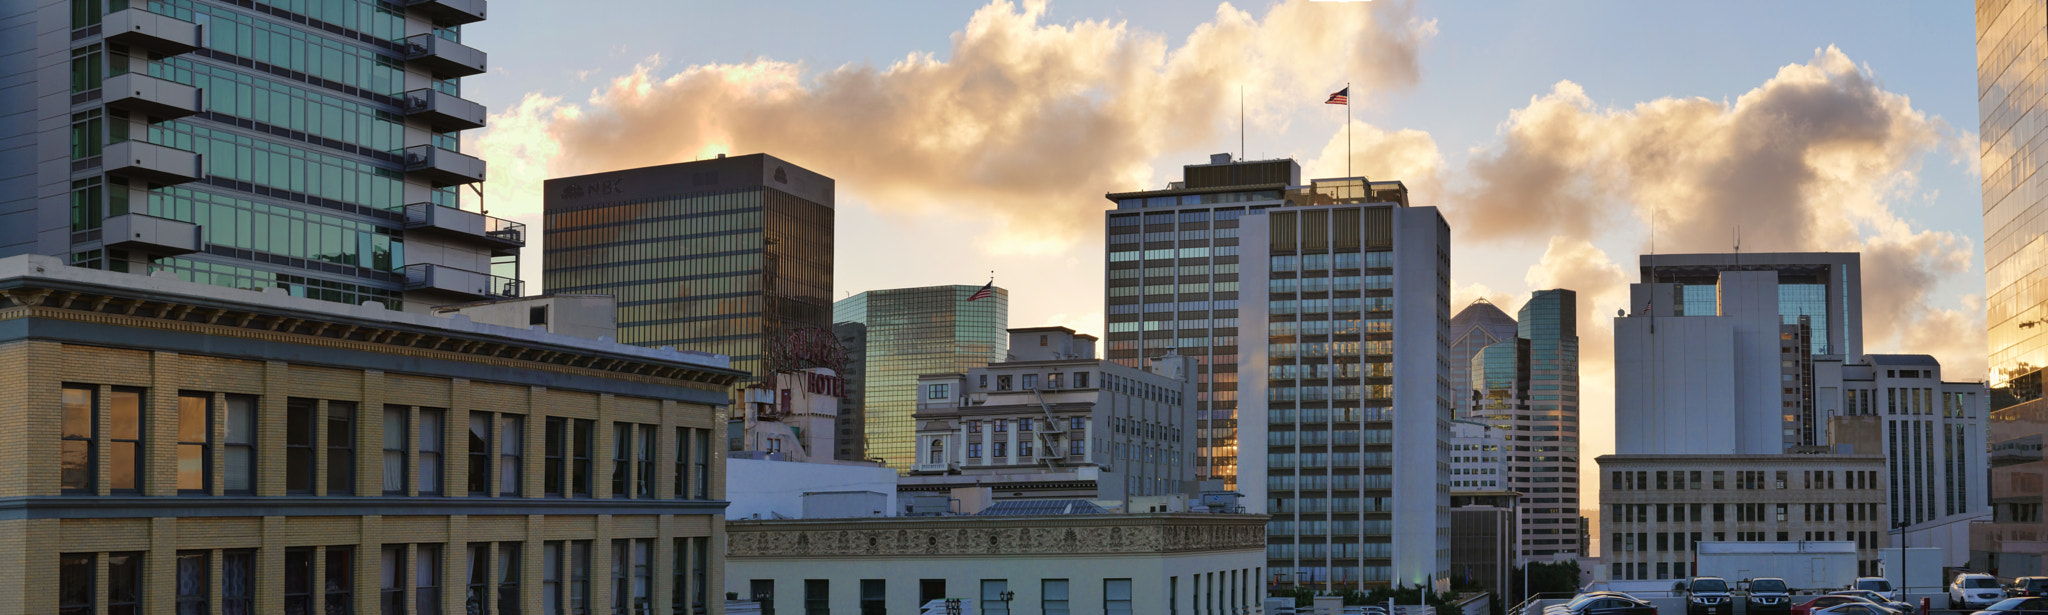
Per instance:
{"type": "Point", "coordinates": [1479, 325]}
{"type": "Point", "coordinates": [911, 332]}
{"type": "Point", "coordinates": [1172, 276]}
{"type": "Point", "coordinates": [309, 148]}
{"type": "Point", "coordinates": [2010, 75]}
{"type": "Point", "coordinates": [729, 255]}
{"type": "Point", "coordinates": [1347, 390]}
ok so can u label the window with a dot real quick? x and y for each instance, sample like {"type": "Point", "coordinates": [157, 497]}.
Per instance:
{"type": "Point", "coordinates": [938, 391]}
{"type": "Point", "coordinates": [1030, 381]}
{"type": "Point", "coordinates": [1077, 448]}
{"type": "Point", "coordinates": [479, 453]}
{"type": "Point", "coordinates": [682, 468]}
{"type": "Point", "coordinates": [126, 440]}
{"type": "Point", "coordinates": [391, 579]}
{"type": "Point", "coordinates": [124, 583]}
{"type": "Point", "coordinates": [551, 578]}
{"type": "Point", "coordinates": [817, 597]}
{"type": "Point", "coordinates": [1052, 381]}
{"type": "Point", "coordinates": [298, 452]}
{"type": "Point", "coordinates": [579, 577]}
{"type": "Point", "coordinates": [341, 580]}
{"type": "Point", "coordinates": [622, 459]}
{"type": "Point", "coordinates": [433, 441]}
{"type": "Point", "coordinates": [1002, 383]}
{"type": "Point", "coordinates": [1077, 423]}
{"type": "Point", "coordinates": [938, 453]}
{"type": "Point", "coordinates": [298, 580]}
{"type": "Point", "coordinates": [1053, 595]}
{"type": "Point", "coordinates": [75, 589]}
{"type": "Point", "coordinates": [999, 449]}
{"type": "Point", "coordinates": [1080, 380]}
{"type": "Point", "coordinates": [476, 597]}
{"type": "Point", "coordinates": [238, 583]}
{"type": "Point", "coordinates": [396, 424]}
{"type": "Point", "coordinates": [992, 602]}
{"type": "Point", "coordinates": [700, 566]}
{"type": "Point", "coordinates": [580, 468]}
{"type": "Point", "coordinates": [643, 474]}
{"type": "Point", "coordinates": [1024, 447]}
{"type": "Point", "coordinates": [511, 449]}
{"type": "Point", "coordinates": [643, 576]}
{"type": "Point", "coordinates": [341, 448]}
{"type": "Point", "coordinates": [873, 597]}
{"type": "Point", "coordinates": [554, 457]}
{"type": "Point", "coordinates": [77, 463]}
{"type": "Point", "coordinates": [240, 448]}
{"type": "Point", "coordinates": [195, 437]}
{"type": "Point", "coordinates": [973, 450]}
{"type": "Point", "coordinates": [193, 581]}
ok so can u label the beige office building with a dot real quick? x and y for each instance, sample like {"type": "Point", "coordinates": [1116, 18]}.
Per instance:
{"type": "Point", "coordinates": [1657, 508]}
{"type": "Point", "coordinates": [173, 445]}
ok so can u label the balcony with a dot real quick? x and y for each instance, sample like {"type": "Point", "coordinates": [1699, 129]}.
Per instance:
{"type": "Point", "coordinates": [470, 284]}
{"type": "Point", "coordinates": [444, 112]}
{"type": "Point", "coordinates": [443, 57]}
{"type": "Point", "coordinates": [159, 33]}
{"type": "Point", "coordinates": [157, 236]}
{"type": "Point", "coordinates": [448, 12]}
{"type": "Point", "coordinates": [442, 167]}
{"type": "Point", "coordinates": [151, 162]}
{"type": "Point", "coordinates": [502, 235]}
{"type": "Point", "coordinates": [159, 99]}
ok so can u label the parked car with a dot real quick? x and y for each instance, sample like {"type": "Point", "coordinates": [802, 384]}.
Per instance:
{"type": "Point", "coordinates": [2029, 586]}
{"type": "Point", "coordinates": [2014, 605]}
{"type": "Point", "coordinates": [1602, 603]}
{"type": "Point", "coordinates": [1767, 595]}
{"type": "Point", "coordinates": [1856, 608]}
{"type": "Point", "coordinates": [1974, 590]}
{"type": "Point", "coordinates": [1707, 596]}
{"type": "Point", "coordinates": [1881, 585]}
{"type": "Point", "coordinates": [1877, 598]}
{"type": "Point", "coordinates": [1822, 603]}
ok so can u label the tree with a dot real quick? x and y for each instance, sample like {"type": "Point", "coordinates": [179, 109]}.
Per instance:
{"type": "Point", "coordinates": [1558, 577]}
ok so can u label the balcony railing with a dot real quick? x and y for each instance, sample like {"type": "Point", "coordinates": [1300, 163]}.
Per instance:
{"type": "Point", "coordinates": [159, 33]}
{"type": "Point", "coordinates": [428, 276]}
{"type": "Point", "coordinates": [443, 57]}
{"type": "Point", "coordinates": [444, 112]}
{"type": "Point", "coordinates": [155, 163]}
{"type": "Point", "coordinates": [442, 167]}
{"type": "Point", "coordinates": [159, 236]}
{"type": "Point", "coordinates": [501, 233]}
{"type": "Point", "coordinates": [160, 99]}
{"type": "Point", "coordinates": [450, 12]}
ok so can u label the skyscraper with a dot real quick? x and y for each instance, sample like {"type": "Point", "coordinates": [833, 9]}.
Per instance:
{"type": "Point", "coordinates": [1543, 460]}
{"type": "Point", "coordinates": [266, 147]}
{"type": "Point", "coordinates": [1479, 325]}
{"type": "Point", "coordinates": [727, 255]}
{"type": "Point", "coordinates": [2010, 40]}
{"type": "Point", "coordinates": [912, 332]}
{"type": "Point", "coordinates": [1173, 285]}
{"type": "Point", "coordinates": [1348, 288]}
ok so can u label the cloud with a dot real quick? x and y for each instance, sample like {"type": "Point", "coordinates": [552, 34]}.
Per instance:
{"type": "Point", "coordinates": [1814, 159]}
{"type": "Point", "coordinates": [1462, 296]}
{"type": "Point", "coordinates": [1407, 155]}
{"type": "Point", "coordinates": [1023, 122]}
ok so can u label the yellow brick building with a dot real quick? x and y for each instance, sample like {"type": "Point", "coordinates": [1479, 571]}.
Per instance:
{"type": "Point", "coordinates": [172, 447]}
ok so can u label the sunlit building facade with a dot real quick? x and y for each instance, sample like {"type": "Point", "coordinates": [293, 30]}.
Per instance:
{"type": "Point", "coordinates": [721, 256]}
{"type": "Point", "coordinates": [910, 332]}
{"type": "Point", "coordinates": [1348, 396]}
{"type": "Point", "coordinates": [2011, 45]}
{"type": "Point", "coordinates": [1172, 285]}
{"type": "Point", "coordinates": [312, 149]}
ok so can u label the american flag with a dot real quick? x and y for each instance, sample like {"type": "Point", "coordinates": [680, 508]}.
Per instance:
{"type": "Point", "coordinates": [1342, 97]}
{"type": "Point", "coordinates": [987, 290]}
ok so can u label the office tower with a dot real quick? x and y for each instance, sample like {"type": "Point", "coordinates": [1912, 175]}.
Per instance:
{"type": "Point", "coordinates": [1173, 285]}
{"type": "Point", "coordinates": [728, 256]}
{"type": "Point", "coordinates": [2009, 39]}
{"type": "Point", "coordinates": [852, 425]}
{"type": "Point", "coordinates": [1737, 360]}
{"type": "Point", "coordinates": [1544, 461]}
{"type": "Point", "coordinates": [253, 148]}
{"type": "Point", "coordinates": [911, 332]}
{"type": "Point", "coordinates": [1055, 422]}
{"type": "Point", "coordinates": [1348, 395]}
{"type": "Point", "coordinates": [1479, 325]}
{"type": "Point", "coordinates": [178, 444]}
{"type": "Point", "coordinates": [1479, 459]}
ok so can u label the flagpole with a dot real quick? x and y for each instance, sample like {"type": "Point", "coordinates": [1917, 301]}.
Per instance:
{"type": "Point", "coordinates": [1347, 130]}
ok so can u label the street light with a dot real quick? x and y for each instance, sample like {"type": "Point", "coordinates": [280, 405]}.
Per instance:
{"type": "Point", "coordinates": [1901, 528]}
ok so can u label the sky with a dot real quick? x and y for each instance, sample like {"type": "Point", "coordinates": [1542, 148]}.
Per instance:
{"type": "Point", "coordinates": [1553, 136]}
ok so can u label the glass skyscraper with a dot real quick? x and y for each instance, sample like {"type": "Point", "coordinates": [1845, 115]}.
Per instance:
{"type": "Point", "coordinates": [1479, 325]}
{"type": "Point", "coordinates": [2011, 41]}
{"type": "Point", "coordinates": [1543, 441]}
{"type": "Point", "coordinates": [910, 332]}
{"type": "Point", "coordinates": [1172, 276]}
{"type": "Point", "coordinates": [311, 147]}
{"type": "Point", "coordinates": [720, 255]}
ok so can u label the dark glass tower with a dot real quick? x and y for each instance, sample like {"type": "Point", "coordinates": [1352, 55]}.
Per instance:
{"type": "Point", "coordinates": [721, 255]}
{"type": "Point", "coordinates": [310, 147]}
{"type": "Point", "coordinates": [1543, 448]}
{"type": "Point", "coordinates": [911, 332]}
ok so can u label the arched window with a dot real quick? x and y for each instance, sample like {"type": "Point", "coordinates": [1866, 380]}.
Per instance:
{"type": "Point", "coordinates": [938, 455]}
